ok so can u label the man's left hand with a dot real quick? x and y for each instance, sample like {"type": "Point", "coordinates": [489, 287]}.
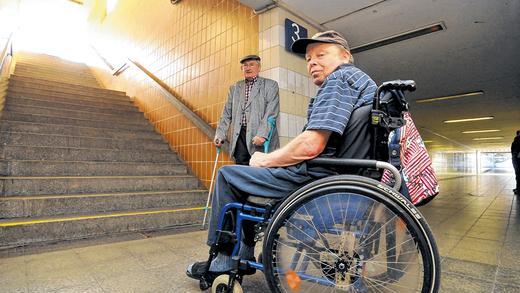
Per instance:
{"type": "Point", "coordinates": [258, 140]}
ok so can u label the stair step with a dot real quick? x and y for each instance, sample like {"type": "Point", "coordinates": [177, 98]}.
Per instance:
{"type": "Point", "coordinates": [46, 140]}
{"type": "Point", "coordinates": [55, 74]}
{"type": "Point", "coordinates": [37, 118]}
{"type": "Point", "coordinates": [86, 168]}
{"type": "Point", "coordinates": [45, 128]}
{"type": "Point", "coordinates": [70, 70]}
{"type": "Point", "coordinates": [78, 81]}
{"type": "Point", "coordinates": [53, 205]}
{"type": "Point", "coordinates": [71, 105]}
{"type": "Point", "coordinates": [69, 94]}
{"type": "Point", "coordinates": [13, 152]}
{"type": "Point", "coordinates": [15, 186]}
{"type": "Point", "coordinates": [15, 79]}
{"type": "Point", "coordinates": [76, 101]}
{"type": "Point", "coordinates": [37, 82]}
{"type": "Point", "coordinates": [130, 118]}
{"type": "Point", "coordinates": [48, 60]}
{"type": "Point", "coordinates": [16, 232]}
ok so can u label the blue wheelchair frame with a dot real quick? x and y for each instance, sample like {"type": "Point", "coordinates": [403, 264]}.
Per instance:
{"type": "Point", "coordinates": [243, 213]}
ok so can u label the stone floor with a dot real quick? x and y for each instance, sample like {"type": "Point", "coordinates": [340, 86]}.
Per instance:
{"type": "Point", "coordinates": [476, 223]}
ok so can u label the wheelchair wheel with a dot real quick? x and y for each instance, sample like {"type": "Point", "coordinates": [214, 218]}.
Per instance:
{"type": "Point", "coordinates": [220, 285]}
{"type": "Point", "coordinates": [351, 234]}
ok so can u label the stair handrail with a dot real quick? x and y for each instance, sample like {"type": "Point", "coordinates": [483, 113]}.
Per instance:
{"type": "Point", "coordinates": [6, 51]}
{"type": "Point", "coordinates": [168, 93]}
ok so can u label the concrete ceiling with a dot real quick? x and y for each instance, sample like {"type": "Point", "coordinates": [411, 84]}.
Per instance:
{"type": "Point", "coordinates": [479, 50]}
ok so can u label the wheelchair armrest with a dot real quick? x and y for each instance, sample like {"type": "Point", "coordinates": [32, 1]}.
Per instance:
{"type": "Point", "coordinates": [340, 162]}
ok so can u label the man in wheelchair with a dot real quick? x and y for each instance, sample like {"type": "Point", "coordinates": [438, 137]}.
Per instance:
{"type": "Point", "coordinates": [343, 89]}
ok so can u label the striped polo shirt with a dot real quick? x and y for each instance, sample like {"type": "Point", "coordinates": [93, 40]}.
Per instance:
{"type": "Point", "coordinates": [343, 91]}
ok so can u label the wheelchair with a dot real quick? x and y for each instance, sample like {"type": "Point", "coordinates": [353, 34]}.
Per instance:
{"type": "Point", "coordinates": [346, 233]}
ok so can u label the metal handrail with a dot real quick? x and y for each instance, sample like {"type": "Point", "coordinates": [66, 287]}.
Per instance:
{"type": "Point", "coordinates": [173, 99]}
{"type": "Point", "coordinates": [7, 51]}
{"type": "Point", "coordinates": [168, 93]}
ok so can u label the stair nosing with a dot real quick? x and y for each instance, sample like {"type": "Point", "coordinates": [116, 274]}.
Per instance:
{"type": "Point", "coordinates": [87, 195]}
{"type": "Point", "coordinates": [80, 137]}
{"type": "Point", "coordinates": [93, 177]}
{"type": "Point", "coordinates": [18, 88]}
{"type": "Point", "coordinates": [78, 111]}
{"type": "Point", "coordinates": [79, 217]}
{"type": "Point", "coordinates": [13, 99]}
{"type": "Point", "coordinates": [80, 126]}
{"type": "Point", "coordinates": [141, 123]}
{"type": "Point", "coordinates": [169, 151]}
{"type": "Point", "coordinates": [92, 162]}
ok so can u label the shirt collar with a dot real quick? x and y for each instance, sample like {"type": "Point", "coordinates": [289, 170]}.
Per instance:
{"type": "Point", "coordinates": [251, 80]}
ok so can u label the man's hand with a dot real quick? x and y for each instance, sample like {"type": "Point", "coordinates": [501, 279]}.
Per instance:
{"type": "Point", "coordinates": [218, 142]}
{"type": "Point", "coordinates": [258, 140]}
{"type": "Point", "coordinates": [258, 159]}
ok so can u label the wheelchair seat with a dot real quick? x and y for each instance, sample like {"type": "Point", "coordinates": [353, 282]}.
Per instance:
{"type": "Point", "coordinates": [260, 201]}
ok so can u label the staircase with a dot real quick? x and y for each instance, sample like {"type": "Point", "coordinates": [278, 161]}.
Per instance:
{"type": "Point", "coordinates": [79, 161]}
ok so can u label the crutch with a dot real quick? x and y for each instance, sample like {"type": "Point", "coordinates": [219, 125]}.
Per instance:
{"type": "Point", "coordinates": [210, 188]}
{"type": "Point", "coordinates": [272, 122]}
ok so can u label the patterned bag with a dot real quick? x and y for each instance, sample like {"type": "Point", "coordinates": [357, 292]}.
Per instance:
{"type": "Point", "coordinates": [409, 155]}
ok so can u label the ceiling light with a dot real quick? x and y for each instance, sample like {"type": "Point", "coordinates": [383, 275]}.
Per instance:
{"type": "Point", "coordinates": [481, 131]}
{"type": "Point", "coordinates": [488, 138]}
{"type": "Point", "coordinates": [477, 93]}
{"type": "Point", "coordinates": [469, 119]}
{"type": "Point", "coordinates": [400, 37]}
{"type": "Point", "coordinates": [427, 141]}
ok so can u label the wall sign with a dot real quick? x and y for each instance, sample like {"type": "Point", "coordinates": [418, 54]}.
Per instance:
{"type": "Point", "coordinates": [293, 32]}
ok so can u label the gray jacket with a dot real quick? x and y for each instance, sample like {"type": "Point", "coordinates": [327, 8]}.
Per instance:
{"type": "Point", "coordinates": [263, 103]}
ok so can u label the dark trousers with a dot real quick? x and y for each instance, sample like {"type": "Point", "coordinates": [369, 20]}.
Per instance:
{"type": "Point", "coordinates": [235, 183]}
{"type": "Point", "coordinates": [241, 153]}
{"type": "Point", "coordinates": [516, 166]}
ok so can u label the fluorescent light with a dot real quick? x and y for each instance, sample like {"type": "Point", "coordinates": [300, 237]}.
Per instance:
{"type": "Point", "coordinates": [481, 131]}
{"type": "Point", "coordinates": [476, 93]}
{"type": "Point", "coordinates": [427, 141]}
{"type": "Point", "coordinates": [488, 138]}
{"type": "Point", "coordinates": [469, 119]}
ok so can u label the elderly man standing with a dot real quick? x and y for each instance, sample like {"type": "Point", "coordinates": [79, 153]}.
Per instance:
{"type": "Point", "coordinates": [343, 88]}
{"type": "Point", "coordinates": [251, 102]}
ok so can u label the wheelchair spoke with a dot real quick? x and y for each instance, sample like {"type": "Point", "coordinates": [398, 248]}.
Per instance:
{"type": "Point", "coordinates": [296, 227]}
{"type": "Point", "coordinates": [331, 213]}
{"type": "Point", "coordinates": [348, 240]}
{"type": "Point", "coordinates": [321, 236]}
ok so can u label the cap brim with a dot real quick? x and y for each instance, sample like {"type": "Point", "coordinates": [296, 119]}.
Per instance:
{"type": "Point", "coordinates": [247, 59]}
{"type": "Point", "coordinates": [300, 45]}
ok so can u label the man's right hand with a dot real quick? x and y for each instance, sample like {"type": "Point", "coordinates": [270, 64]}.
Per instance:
{"type": "Point", "coordinates": [218, 142]}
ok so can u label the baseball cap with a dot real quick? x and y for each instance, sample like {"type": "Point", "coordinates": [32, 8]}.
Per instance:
{"type": "Point", "coordinates": [331, 37]}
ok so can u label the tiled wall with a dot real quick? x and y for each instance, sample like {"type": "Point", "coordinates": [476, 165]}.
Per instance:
{"type": "Point", "coordinates": [194, 47]}
{"type": "Point", "coordinates": [288, 69]}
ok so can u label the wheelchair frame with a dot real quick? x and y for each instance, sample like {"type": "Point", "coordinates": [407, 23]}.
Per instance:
{"type": "Point", "coordinates": [264, 215]}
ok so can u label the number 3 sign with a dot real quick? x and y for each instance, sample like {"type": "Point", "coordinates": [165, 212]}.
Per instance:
{"type": "Point", "coordinates": [293, 32]}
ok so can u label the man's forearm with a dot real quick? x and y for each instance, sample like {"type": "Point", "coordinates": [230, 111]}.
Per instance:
{"type": "Point", "coordinates": [305, 146]}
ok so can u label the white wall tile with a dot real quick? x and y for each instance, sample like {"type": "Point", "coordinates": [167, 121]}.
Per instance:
{"type": "Point", "coordinates": [275, 74]}
{"type": "Point", "coordinates": [283, 78]}
{"type": "Point", "coordinates": [267, 39]}
{"type": "Point", "coordinates": [284, 124]}
{"type": "Point", "coordinates": [291, 80]}
{"type": "Point", "coordinates": [275, 35]}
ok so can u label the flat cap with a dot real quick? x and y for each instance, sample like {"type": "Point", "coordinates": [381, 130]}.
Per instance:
{"type": "Point", "coordinates": [331, 37]}
{"type": "Point", "coordinates": [249, 57]}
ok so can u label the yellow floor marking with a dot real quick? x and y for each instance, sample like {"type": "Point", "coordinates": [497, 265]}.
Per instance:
{"type": "Point", "coordinates": [10, 224]}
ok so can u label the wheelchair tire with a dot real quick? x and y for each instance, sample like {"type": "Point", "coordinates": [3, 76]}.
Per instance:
{"type": "Point", "coordinates": [351, 233]}
{"type": "Point", "coordinates": [220, 285]}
